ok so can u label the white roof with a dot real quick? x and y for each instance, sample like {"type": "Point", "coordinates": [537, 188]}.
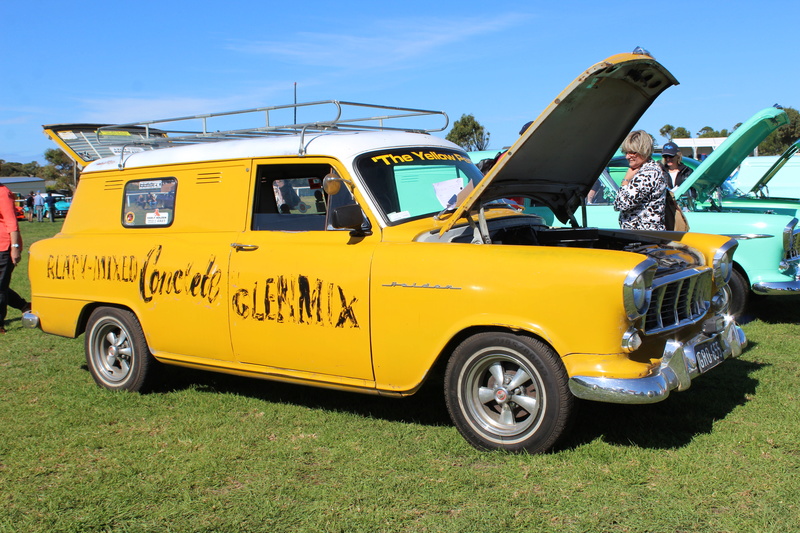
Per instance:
{"type": "Point", "coordinates": [344, 146]}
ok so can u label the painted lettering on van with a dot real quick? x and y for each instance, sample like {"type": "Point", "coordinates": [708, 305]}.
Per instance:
{"type": "Point", "coordinates": [154, 280]}
{"type": "Point", "coordinates": [394, 159]}
{"type": "Point", "coordinates": [197, 283]}
{"type": "Point", "coordinates": [99, 267]}
{"type": "Point", "coordinates": [297, 300]}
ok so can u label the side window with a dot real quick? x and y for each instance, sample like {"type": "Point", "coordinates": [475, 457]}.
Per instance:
{"type": "Point", "coordinates": [290, 198]}
{"type": "Point", "coordinates": [149, 203]}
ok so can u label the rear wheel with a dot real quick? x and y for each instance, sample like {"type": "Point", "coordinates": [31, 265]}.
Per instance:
{"type": "Point", "coordinates": [116, 350]}
{"type": "Point", "coordinates": [508, 392]}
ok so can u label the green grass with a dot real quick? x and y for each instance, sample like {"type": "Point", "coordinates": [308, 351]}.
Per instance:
{"type": "Point", "coordinates": [218, 453]}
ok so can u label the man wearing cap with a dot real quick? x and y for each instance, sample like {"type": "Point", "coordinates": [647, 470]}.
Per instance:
{"type": "Point", "coordinates": [675, 171]}
{"type": "Point", "coordinates": [10, 255]}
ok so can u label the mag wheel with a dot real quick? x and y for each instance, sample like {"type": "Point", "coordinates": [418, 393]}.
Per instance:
{"type": "Point", "coordinates": [508, 392]}
{"type": "Point", "coordinates": [116, 350]}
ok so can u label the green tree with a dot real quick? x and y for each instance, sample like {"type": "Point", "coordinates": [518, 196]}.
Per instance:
{"type": "Point", "coordinates": [10, 168]}
{"type": "Point", "coordinates": [780, 139]}
{"type": "Point", "coordinates": [681, 133]}
{"type": "Point", "coordinates": [469, 134]}
{"type": "Point", "coordinates": [667, 130]}
{"type": "Point", "coordinates": [708, 131]}
{"type": "Point", "coordinates": [60, 169]}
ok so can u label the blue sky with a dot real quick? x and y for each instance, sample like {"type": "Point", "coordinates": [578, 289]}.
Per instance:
{"type": "Point", "coordinates": [110, 62]}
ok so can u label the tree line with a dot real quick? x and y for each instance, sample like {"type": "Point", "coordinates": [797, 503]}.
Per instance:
{"type": "Point", "coordinates": [59, 168]}
{"type": "Point", "coordinates": [470, 135]}
{"type": "Point", "coordinates": [775, 144]}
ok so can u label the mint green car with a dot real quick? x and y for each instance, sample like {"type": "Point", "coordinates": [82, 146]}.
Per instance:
{"type": "Point", "coordinates": [766, 261]}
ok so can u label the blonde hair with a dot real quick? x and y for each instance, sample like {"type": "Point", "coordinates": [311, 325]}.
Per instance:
{"type": "Point", "coordinates": [638, 142]}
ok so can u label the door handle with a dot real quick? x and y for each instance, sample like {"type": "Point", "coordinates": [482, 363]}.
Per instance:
{"type": "Point", "coordinates": [244, 247]}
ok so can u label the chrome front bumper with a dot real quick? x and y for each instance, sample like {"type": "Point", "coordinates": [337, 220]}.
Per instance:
{"type": "Point", "coordinates": [767, 288]}
{"type": "Point", "coordinates": [678, 369]}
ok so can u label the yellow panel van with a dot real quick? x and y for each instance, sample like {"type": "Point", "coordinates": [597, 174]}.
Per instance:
{"type": "Point", "coordinates": [360, 252]}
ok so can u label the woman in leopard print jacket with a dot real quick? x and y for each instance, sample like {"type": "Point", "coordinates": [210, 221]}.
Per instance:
{"type": "Point", "coordinates": [642, 194]}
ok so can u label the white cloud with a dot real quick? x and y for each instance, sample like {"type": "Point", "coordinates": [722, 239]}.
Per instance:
{"type": "Point", "coordinates": [395, 43]}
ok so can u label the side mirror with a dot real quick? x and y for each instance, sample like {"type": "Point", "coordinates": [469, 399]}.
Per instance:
{"type": "Point", "coordinates": [350, 216]}
{"type": "Point", "coordinates": [331, 184]}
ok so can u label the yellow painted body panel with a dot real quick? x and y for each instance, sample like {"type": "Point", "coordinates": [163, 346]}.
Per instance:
{"type": "Point", "coordinates": [63, 314]}
{"type": "Point", "coordinates": [454, 287]}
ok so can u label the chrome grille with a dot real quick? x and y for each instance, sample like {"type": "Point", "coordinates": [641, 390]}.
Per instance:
{"type": "Point", "coordinates": [678, 299]}
{"type": "Point", "coordinates": [791, 241]}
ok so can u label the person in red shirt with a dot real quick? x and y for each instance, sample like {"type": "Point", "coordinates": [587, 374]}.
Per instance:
{"type": "Point", "coordinates": [10, 255]}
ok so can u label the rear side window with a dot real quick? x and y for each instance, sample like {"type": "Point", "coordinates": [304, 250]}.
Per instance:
{"type": "Point", "coordinates": [149, 203]}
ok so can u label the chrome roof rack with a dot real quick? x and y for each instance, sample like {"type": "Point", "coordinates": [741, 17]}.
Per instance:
{"type": "Point", "coordinates": [88, 142]}
{"type": "Point", "coordinates": [213, 127]}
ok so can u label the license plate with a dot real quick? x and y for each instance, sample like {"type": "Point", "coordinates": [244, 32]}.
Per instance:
{"type": "Point", "coordinates": [709, 354]}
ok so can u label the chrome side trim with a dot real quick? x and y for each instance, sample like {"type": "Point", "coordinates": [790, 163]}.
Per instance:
{"type": "Point", "coordinates": [746, 236]}
{"type": "Point", "coordinates": [677, 370]}
{"type": "Point", "coordinates": [29, 320]}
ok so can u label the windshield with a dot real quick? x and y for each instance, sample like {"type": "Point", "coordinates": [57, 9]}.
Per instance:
{"type": "Point", "coordinates": [410, 183]}
{"type": "Point", "coordinates": [728, 188]}
{"type": "Point", "coordinates": [782, 178]}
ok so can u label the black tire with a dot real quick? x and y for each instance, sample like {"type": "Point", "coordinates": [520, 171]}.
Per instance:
{"type": "Point", "coordinates": [740, 294]}
{"type": "Point", "coordinates": [529, 412]}
{"type": "Point", "coordinates": [116, 350]}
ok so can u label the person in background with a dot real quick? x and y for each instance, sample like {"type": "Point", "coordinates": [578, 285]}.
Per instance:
{"type": "Point", "coordinates": [671, 164]}
{"type": "Point", "coordinates": [51, 206]}
{"type": "Point", "coordinates": [10, 255]}
{"type": "Point", "coordinates": [29, 207]}
{"type": "Point", "coordinates": [641, 198]}
{"type": "Point", "coordinates": [38, 206]}
{"type": "Point", "coordinates": [285, 196]}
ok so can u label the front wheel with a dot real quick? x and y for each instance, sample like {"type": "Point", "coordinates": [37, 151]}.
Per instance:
{"type": "Point", "coordinates": [116, 350]}
{"type": "Point", "coordinates": [740, 294]}
{"type": "Point", "coordinates": [508, 392]}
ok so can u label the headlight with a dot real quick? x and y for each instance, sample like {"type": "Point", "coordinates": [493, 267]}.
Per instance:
{"type": "Point", "coordinates": [723, 263]}
{"type": "Point", "coordinates": [636, 289]}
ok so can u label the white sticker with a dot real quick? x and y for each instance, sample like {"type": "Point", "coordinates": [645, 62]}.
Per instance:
{"type": "Point", "coordinates": [117, 150]}
{"type": "Point", "coordinates": [394, 217]}
{"type": "Point", "coordinates": [156, 218]}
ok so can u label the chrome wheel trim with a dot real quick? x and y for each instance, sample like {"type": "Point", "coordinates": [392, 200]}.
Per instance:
{"type": "Point", "coordinates": [502, 395]}
{"type": "Point", "coordinates": [112, 351]}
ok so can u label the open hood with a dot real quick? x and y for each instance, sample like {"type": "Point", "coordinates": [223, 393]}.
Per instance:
{"type": "Point", "coordinates": [769, 174]}
{"type": "Point", "coordinates": [83, 143]}
{"type": "Point", "coordinates": [730, 154]}
{"type": "Point", "coordinates": [557, 160]}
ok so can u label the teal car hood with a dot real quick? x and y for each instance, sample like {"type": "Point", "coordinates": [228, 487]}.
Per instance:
{"type": "Point", "coordinates": [730, 154]}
